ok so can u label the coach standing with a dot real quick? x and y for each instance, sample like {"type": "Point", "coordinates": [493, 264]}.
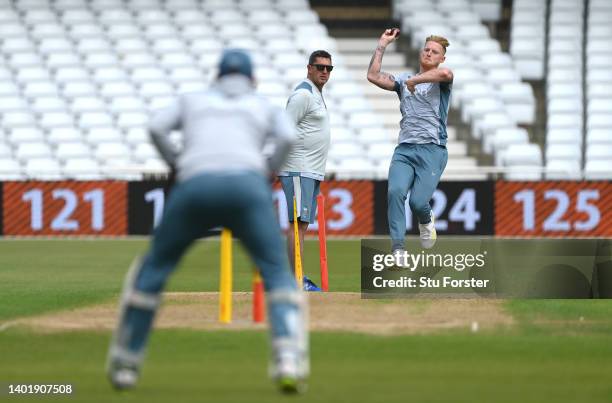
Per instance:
{"type": "Point", "coordinates": [302, 173]}
{"type": "Point", "coordinates": [222, 181]}
{"type": "Point", "coordinates": [420, 157]}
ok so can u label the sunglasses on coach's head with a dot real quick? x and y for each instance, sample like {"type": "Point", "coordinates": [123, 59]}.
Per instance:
{"type": "Point", "coordinates": [322, 67]}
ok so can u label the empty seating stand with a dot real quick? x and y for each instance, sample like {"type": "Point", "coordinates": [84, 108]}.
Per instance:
{"type": "Point", "coordinates": [79, 78]}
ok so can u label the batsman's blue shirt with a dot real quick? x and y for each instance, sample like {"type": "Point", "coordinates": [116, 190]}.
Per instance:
{"type": "Point", "coordinates": [424, 113]}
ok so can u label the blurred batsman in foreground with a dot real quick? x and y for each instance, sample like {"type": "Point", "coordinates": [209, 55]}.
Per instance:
{"type": "Point", "coordinates": [420, 157]}
{"type": "Point", "coordinates": [304, 170]}
{"type": "Point", "coordinates": [222, 180]}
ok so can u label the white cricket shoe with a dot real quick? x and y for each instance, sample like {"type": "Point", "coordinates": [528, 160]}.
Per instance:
{"type": "Point", "coordinates": [122, 367]}
{"type": "Point", "coordinates": [122, 376]}
{"type": "Point", "coordinates": [289, 371]}
{"type": "Point", "coordinates": [428, 233]}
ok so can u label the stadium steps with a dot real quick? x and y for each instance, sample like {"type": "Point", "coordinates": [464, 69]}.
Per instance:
{"type": "Point", "coordinates": [356, 54]}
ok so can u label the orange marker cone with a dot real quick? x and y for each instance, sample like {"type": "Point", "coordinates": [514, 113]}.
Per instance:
{"type": "Point", "coordinates": [258, 298]}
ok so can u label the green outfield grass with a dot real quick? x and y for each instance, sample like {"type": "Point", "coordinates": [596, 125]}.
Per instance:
{"type": "Point", "coordinates": [189, 366]}
{"type": "Point", "coordinates": [48, 275]}
{"type": "Point", "coordinates": [550, 355]}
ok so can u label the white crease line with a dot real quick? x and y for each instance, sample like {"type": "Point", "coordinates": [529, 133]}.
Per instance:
{"type": "Point", "coordinates": [7, 325]}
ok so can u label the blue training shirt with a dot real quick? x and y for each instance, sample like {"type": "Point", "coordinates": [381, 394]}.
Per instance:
{"type": "Point", "coordinates": [424, 113]}
{"type": "Point", "coordinates": [307, 109]}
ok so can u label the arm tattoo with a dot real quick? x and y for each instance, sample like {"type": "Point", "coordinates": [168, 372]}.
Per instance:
{"type": "Point", "coordinates": [371, 61]}
{"type": "Point", "coordinates": [375, 75]}
{"type": "Point", "coordinates": [377, 54]}
{"type": "Point", "coordinates": [387, 75]}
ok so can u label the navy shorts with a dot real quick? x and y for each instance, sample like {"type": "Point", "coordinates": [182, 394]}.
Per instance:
{"type": "Point", "coordinates": [306, 196]}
